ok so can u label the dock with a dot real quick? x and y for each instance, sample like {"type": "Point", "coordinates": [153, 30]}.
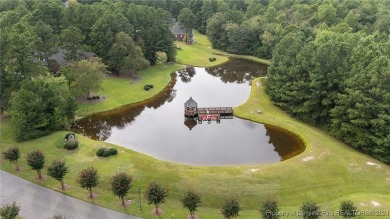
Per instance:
{"type": "Point", "coordinates": [192, 112]}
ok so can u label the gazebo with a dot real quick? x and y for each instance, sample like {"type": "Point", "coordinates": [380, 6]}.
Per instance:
{"type": "Point", "coordinates": [190, 108]}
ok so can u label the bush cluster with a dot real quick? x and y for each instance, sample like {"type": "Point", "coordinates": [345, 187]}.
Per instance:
{"type": "Point", "coordinates": [148, 86]}
{"type": "Point", "coordinates": [105, 152]}
{"type": "Point", "coordinates": [212, 59]}
{"type": "Point", "coordinates": [94, 97]}
{"type": "Point", "coordinates": [71, 144]}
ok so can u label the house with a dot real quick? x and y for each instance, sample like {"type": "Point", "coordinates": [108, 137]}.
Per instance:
{"type": "Point", "coordinates": [58, 59]}
{"type": "Point", "coordinates": [179, 33]}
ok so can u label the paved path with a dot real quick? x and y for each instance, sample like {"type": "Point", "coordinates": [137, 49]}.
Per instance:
{"type": "Point", "coordinates": [37, 202]}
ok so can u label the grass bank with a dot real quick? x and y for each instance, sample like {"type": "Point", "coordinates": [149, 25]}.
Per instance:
{"type": "Point", "coordinates": [121, 91]}
{"type": "Point", "coordinates": [327, 172]}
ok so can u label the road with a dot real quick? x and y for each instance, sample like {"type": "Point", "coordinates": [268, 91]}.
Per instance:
{"type": "Point", "coordinates": [37, 202]}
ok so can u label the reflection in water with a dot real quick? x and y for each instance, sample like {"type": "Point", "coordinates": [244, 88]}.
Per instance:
{"type": "Point", "coordinates": [186, 74]}
{"type": "Point", "coordinates": [99, 126]}
{"type": "Point", "coordinates": [155, 127]}
{"type": "Point", "coordinates": [237, 71]}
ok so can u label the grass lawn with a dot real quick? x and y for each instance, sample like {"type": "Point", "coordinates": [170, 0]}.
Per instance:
{"type": "Point", "coordinates": [121, 91]}
{"type": "Point", "coordinates": [198, 54]}
{"type": "Point", "coordinates": [326, 172]}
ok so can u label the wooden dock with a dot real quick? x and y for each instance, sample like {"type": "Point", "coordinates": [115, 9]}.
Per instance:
{"type": "Point", "coordinates": [214, 114]}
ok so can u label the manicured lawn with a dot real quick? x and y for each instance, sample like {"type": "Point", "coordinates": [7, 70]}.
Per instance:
{"type": "Point", "coordinates": [327, 172]}
{"type": "Point", "coordinates": [121, 91]}
{"type": "Point", "coordinates": [198, 54]}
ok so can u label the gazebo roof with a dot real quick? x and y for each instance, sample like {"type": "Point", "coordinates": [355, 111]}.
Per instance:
{"type": "Point", "coordinates": [190, 123]}
{"type": "Point", "coordinates": [190, 103]}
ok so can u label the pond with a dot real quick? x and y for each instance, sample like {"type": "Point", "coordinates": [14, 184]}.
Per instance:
{"type": "Point", "coordinates": [157, 127]}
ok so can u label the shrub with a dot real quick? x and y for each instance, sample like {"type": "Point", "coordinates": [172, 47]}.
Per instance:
{"type": "Point", "coordinates": [348, 209]}
{"type": "Point", "coordinates": [106, 152]}
{"type": "Point", "coordinates": [9, 211]}
{"type": "Point", "coordinates": [71, 144]}
{"type": "Point", "coordinates": [214, 59]}
{"type": "Point", "coordinates": [211, 59]}
{"type": "Point", "coordinates": [230, 208]}
{"type": "Point", "coordinates": [113, 151]}
{"type": "Point", "coordinates": [310, 210]}
{"type": "Point", "coordinates": [100, 151]}
{"type": "Point", "coordinates": [148, 86]}
{"type": "Point", "coordinates": [269, 209]}
{"type": "Point", "coordinates": [12, 154]}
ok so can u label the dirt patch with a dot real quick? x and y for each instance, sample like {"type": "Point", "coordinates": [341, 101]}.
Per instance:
{"type": "Point", "coordinates": [373, 164]}
{"type": "Point", "coordinates": [157, 212]}
{"type": "Point", "coordinates": [128, 203]}
{"type": "Point", "coordinates": [94, 196]}
{"type": "Point", "coordinates": [43, 178]}
{"type": "Point", "coordinates": [375, 204]}
{"type": "Point", "coordinates": [194, 217]}
{"type": "Point", "coordinates": [66, 187]}
{"type": "Point", "coordinates": [305, 159]}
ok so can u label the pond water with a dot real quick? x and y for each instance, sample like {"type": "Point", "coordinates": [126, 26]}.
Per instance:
{"type": "Point", "coordinates": [157, 127]}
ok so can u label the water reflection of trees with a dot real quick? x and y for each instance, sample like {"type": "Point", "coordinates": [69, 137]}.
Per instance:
{"type": "Point", "coordinates": [238, 70]}
{"type": "Point", "coordinates": [186, 74]}
{"type": "Point", "coordinates": [286, 144]}
{"type": "Point", "coordinates": [99, 126]}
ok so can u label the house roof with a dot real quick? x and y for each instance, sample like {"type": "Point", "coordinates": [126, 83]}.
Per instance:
{"type": "Point", "coordinates": [59, 57]}
{"type": "Point", "coordinates": [176, 29]}
{"type": "Point", "coordinates": [190, 103]}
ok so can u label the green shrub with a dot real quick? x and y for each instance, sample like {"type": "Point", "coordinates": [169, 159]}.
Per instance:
{"type": "Point", "coordinates": [100, 151]}
{"type": "Point", "coordinates": [106, 152]}
{"type": "Point", "coordinates": [211, 59]}
{"type": "Point", "coordinates": [148, 86]}
{"type": "Point", "coordinates": [71, 144]}
{"type": "Point", "coordinates": [113, 151]}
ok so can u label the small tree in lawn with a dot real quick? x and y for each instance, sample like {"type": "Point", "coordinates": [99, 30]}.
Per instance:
{"type": "Point", "coordinates": [12, 154]}
{"type": "Point", "coordinates": [58, 170]}
{"type": "Point", "coordinates": [9, 211]}
{"type": "Point", "coordinates": [348, 209]}
{"type": "Point", "coordinates": [120, 185]}
{"type": "Point", "coordinates": [36, 160]}
{"type": "Point", "coordinates": [88, 178]}
{"type": "Point", "coordinates": [156, 194]}
{"type": "Point", "coordinates": [191, 201]}
{"type": "Point", "coordinates": [310, 210]}
{"type": "Point", "coordinates": [230, 208]}
{"type": "Point", "coordinates": [269, 209]}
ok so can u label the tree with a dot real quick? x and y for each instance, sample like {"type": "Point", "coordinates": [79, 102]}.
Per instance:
{"type": "Point", "coordinates": [120, 185]}
{"type": "Point", "coordinates": [72, 41]}
{"type": "Point", "coordinates": [156, 194]}
{"type": "Point", "coordinates": [187, 20]}
{"type": "Point", "coordinates": [230, 208]}
{"type": "Point", "coordinates": [191, 201]}
{"type": "Point", "coordinates": [47, 41]}
{"type": "Point", "coordinates": [85, 76]}
{"type": "Point", "coordinates": [12, 154]}
{"type": "Point", "coordinates": [269, 209]}
{"type": "Point", "coordinates": [36, 160]}
{"type": "Point", "coordinates": [348, 209]}
{"type": "Point", "coordinates": [125, 56]}
{"type": "Point", "coordinates": [310, 210]}
{"type": "Point", "coordinates": [41, 106]}
{"type": "Point", "coordinates": [58, 170]}
{"type": "Point", "coordinates": [88, 179]}
{"type": "Point", "coordinates": [9, 211]}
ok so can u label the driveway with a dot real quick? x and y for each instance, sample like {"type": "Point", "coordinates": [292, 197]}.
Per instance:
{"type": "Point", "coordinates": [37, 202]}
